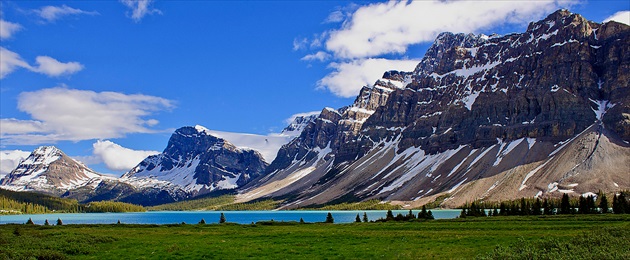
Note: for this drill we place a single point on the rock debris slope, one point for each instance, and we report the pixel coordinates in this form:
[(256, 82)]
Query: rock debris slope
[(538, 113)]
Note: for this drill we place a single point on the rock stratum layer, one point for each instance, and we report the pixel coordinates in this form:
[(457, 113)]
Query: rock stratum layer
[(538, 113)]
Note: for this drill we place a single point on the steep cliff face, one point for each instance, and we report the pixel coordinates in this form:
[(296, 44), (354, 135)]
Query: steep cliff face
[(492, 111), (197, 162)]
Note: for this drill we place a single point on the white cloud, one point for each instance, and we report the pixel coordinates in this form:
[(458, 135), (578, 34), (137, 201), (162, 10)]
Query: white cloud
[(335, 17), (54, 68), (299, 43), (53, 13), (70, 114), (349, 77), (10, 61), (10, 159), (7, 29), (305, 114), (118, 158), (320, 56), (140, 8), (621, 16), (386, 28)]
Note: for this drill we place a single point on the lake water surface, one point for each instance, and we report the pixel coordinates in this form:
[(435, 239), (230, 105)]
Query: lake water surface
[(193, 217)]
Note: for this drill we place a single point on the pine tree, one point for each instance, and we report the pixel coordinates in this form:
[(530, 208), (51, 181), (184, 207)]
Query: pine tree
[(565, 206), (118, 222), (502, 209), (202, 222), (365, 217), (603, 203), (59, 222), (302, 221), (390, 215), (357, 219), (547, 209), (329, 218), (222, 218), (411, 215), (30, 222), (495, 212), (462, 214), (46, 223), (537, 207), (430, 215), (423, 213)]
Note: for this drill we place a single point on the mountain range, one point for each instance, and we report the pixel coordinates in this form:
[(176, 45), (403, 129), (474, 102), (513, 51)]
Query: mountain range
[(541, 113)]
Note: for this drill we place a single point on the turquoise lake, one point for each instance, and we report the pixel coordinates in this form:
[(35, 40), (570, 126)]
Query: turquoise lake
[(193, 217)]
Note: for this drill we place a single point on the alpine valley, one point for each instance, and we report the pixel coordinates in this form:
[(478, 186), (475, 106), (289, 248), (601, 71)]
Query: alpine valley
[(541, 113)]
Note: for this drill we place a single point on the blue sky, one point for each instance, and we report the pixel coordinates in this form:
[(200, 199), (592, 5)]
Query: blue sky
[(110, 80)]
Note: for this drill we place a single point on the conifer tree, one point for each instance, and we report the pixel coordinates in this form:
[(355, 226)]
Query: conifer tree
[(423, 213), (390, 215), (222, 218), (365, 217), (202, 222), (118, 222), (302, 221), (503, 209), (30, 222), (603, 203), (430, 215), (463, 213), (357, 219), (537, 207), (495, 212), (411, 215), (46, 223), (547, 209), (329, 218), (59, 222), (565, 206)]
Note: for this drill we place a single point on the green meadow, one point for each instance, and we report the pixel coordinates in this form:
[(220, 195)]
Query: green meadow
[(551, 237)]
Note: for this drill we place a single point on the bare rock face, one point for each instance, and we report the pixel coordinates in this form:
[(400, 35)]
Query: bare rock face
[(476, 107), (49, 170), (196, 162)]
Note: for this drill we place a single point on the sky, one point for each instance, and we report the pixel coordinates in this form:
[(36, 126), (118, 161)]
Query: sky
[(108, 82)]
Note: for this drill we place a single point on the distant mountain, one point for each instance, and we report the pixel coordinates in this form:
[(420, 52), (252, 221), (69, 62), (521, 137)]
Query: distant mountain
[(48, 170), (198, 162), (539, 113)]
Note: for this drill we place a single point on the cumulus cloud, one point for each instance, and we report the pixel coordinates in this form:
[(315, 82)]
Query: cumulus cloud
[(54, 68), (348, 78), (292, 117), (386, 28), (10, 61), (53, 13), (140, 8), (70, 114), (320, 56), (7, 29), (118, 158), (10, 159), (621, 16), (374, 38)]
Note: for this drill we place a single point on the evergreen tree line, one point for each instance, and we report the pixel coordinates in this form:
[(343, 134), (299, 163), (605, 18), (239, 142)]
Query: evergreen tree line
[(424, 214), (12, 202), (536, 206), (111, 206)]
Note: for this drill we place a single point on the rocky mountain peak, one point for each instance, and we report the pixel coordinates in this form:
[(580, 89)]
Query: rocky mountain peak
[(472, 102), (48, 169), (198, 162)]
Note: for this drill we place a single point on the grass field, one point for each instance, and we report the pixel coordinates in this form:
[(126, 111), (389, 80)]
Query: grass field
[(495, 237)]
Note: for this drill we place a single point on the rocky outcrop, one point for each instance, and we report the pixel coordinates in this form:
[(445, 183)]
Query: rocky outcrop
[(197, 162), (49, 170), (476, 107)]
